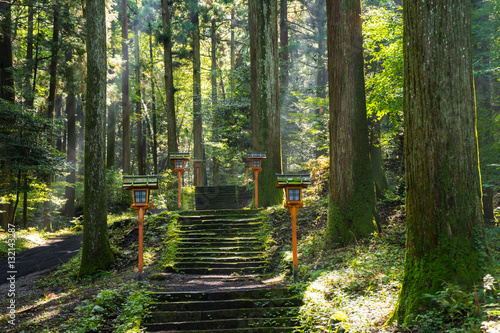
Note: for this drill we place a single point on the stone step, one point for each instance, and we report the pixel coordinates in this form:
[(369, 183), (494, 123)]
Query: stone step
[(215, 244), (242, 330), (222, 304), (234, 324), (186, 253), (221, 226), (230, 257), (248, 293), (249, 270), (183, 248), (175, 316), (181, 264)]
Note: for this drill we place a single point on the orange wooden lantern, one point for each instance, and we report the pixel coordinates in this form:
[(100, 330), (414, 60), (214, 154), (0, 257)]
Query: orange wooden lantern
[(180, 160), (256, 164)]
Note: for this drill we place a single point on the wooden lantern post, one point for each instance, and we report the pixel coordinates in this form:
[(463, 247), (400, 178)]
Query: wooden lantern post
[(256, 160), (179, 159), (197, 166), (293, 185), (140, 186)]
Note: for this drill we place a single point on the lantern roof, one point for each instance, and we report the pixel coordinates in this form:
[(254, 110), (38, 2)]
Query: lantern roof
[(256, 155), (140, 181), (179, 156), (289, 179)]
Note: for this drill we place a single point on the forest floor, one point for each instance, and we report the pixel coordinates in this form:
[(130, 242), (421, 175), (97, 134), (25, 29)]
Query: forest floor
[(354, 287)]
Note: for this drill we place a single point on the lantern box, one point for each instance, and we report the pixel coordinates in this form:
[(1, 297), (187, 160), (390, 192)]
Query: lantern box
[(180, 160), (255, 159), (140, 186), (293, 185)]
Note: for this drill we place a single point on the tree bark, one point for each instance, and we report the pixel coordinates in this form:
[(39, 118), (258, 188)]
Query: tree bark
[(265, 95), (69, 209), (321, 74), (125, 92), (96, 251), (283, 53), (169, 81), (28, 92), (445, 240), (197, 120), (111, 136), (213, 76), (141, 152), (153, 106), (233, 52), (352, 212), (6, 75)]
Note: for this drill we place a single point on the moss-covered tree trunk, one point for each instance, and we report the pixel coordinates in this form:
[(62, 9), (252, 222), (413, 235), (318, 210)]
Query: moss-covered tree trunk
[(213, 76), (265, 95), (169, 80), (125, 92), (352, 212), (140, 145), (445, 237), (96, 251)]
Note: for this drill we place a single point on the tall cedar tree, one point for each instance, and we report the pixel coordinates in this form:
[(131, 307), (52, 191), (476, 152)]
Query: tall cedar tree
[(213, 77), (265, 95), (125, 91), (445, 234), (352, 211), (169, 80), (96, 251), (140, 145), (197, 120)]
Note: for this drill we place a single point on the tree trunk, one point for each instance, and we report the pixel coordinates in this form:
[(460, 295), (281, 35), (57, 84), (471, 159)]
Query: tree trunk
[(445, 234), (81, 134), (213, 76), (379, 176), (265, 95), (96, 251), (6, 74), (141, 152), (28, 93), (283, 53), (25, 202), (111, 136), (321, 74), (233, 52), (169, 81), (197, 120), (153, 106), (69, 209), (125, 92), (352, 212)]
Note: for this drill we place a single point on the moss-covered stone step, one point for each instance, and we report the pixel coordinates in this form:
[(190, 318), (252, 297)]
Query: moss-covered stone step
[(217, 257), (248, 270), (242, 330), (176, 316), (256, 245), (223, 323), (247, 293), (220, 263), (217, 252), (233, 234)]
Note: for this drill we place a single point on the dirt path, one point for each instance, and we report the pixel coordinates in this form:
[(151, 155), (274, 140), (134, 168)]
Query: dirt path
[(41, 258)]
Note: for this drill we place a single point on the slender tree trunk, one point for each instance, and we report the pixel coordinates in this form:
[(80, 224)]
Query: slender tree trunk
[(197, 120), (141, 153), (69, 209), (153, 106), (125, 92), (25, 202), (379, 176), (111, 136), (445, 234), (6, 74), (352, 212), (233, 52), (169, 81), (28, 93), (58, 115), (265, 95), (284, 54), (213, 76), (96, 251), (81, 134)]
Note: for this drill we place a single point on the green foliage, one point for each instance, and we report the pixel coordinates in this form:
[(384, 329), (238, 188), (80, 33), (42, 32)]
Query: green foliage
[(170, 240), (112, 309)]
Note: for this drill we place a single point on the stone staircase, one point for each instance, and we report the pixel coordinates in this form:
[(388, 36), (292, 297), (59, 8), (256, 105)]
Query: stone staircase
[(223, 246), (220, 243), (254, 310)]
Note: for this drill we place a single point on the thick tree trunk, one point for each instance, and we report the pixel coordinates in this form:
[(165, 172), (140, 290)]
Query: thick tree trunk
[(445, 234), (352, 212), (265, 95), (197, 120), (169, 81), (125, 92), (69, 209), (96, 251)]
